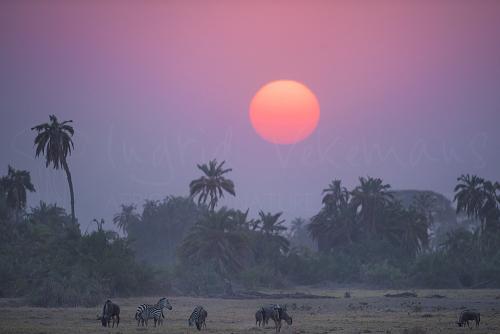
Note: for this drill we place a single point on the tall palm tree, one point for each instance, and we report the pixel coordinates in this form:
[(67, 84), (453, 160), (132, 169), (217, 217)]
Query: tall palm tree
[(216, 238), (212, 184), (15, 186), (333, 226), (126, 217), (54, 141), (369, 198)]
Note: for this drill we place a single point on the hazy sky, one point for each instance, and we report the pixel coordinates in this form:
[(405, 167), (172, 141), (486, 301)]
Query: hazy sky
[(409, 92)]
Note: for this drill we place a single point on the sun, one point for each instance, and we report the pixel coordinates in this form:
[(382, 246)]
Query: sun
[(284, 112)]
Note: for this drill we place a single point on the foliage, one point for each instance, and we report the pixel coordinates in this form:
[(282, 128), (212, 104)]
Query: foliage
[(370, 235), (54, 140), (212, 184), (48, 260), (157, 232), (217, 239)]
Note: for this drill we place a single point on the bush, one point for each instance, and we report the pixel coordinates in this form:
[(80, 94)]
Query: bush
[(261, 276), (75, 290), (382, 274), (199, 280), (434, 270)]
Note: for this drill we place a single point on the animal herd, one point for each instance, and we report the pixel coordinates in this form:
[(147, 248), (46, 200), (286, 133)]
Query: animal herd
[(111, 315), (275, 312)]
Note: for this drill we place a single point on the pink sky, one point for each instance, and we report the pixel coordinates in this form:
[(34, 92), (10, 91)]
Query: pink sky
[(409, 91)]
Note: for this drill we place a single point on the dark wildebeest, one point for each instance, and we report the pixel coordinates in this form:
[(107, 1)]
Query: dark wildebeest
[(198, 318), (110, 311), (277, 313), (259, 317), (467, 316)]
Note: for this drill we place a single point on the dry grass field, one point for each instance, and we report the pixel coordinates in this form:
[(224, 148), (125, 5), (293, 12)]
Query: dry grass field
[(367, 311)]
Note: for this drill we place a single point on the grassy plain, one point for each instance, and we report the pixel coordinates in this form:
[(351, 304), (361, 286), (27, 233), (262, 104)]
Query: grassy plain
[(367, 311)]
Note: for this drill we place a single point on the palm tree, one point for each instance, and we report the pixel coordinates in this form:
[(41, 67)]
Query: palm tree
[(54, 141), (406, 228), (269, 242), (478, 199), (369, 198), (15, 185), (212, 184), (271, 223), (126, 217), (333, 228), (333, 225), (216, 238), (335, 195), (46, 213), (469, 195)]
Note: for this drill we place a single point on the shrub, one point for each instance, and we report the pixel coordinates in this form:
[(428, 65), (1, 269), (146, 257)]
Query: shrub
[(75, 290), (382, 274), (434, 270), (261, 276)]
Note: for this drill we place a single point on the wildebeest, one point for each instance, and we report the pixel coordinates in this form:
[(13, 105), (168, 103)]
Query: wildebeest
[(467, 316), (198, 318), (259, 318), (110, 311), (277, 313)]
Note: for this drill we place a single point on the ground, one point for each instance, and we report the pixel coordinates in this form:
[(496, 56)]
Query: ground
[(367, 311)]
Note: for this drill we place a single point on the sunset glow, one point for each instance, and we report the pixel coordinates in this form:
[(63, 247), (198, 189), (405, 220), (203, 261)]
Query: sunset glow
[(284, 112)]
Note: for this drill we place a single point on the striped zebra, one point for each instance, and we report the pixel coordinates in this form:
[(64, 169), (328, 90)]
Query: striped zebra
[(146, 311), (198, 317)]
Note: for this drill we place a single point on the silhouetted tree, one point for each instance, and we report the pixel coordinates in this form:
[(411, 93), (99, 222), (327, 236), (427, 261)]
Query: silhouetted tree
[(369, 198), (54, 141), (334, 225), (212, 184), (478, 199), (15, 185), (217, 239), (126, 217)]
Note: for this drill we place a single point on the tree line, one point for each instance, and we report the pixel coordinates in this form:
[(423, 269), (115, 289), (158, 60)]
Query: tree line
[(370, 235)]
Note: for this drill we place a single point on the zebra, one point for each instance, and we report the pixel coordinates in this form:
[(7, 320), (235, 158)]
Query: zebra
[(160, 319), (198, 318), (145, 312)]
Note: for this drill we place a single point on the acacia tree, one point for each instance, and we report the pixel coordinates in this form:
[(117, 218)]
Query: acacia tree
[(54, 140), (212, 184)]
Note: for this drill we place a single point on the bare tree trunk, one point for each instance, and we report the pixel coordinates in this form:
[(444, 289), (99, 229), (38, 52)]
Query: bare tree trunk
[(72, 195)]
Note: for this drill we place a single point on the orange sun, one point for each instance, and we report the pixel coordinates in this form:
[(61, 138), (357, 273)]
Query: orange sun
[(284, 112)]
